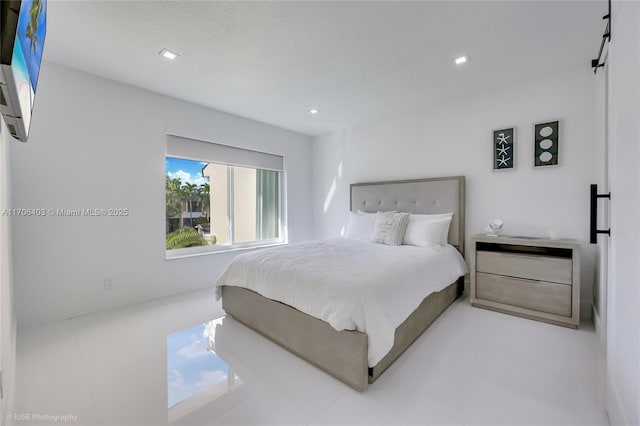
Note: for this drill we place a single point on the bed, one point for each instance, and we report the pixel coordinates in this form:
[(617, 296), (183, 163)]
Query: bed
[(350, 355)]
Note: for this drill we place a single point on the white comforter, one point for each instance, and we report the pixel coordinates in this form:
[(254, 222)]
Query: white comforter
[(351, 284)]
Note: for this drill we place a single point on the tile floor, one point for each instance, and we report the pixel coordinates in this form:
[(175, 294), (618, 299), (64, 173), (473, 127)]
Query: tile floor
[(472, 367)]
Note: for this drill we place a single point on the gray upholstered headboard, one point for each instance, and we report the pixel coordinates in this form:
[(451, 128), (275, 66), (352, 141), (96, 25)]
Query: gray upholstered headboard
[(421, 196)]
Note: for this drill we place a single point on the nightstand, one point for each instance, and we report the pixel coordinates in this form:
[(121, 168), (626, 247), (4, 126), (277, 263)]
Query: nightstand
[(534, 278)]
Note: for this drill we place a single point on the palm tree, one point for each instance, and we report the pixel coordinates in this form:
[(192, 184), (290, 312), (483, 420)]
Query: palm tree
[(32, 26), (182, 196), (189, 191), (204, 199), (173, 200), (185, 237)]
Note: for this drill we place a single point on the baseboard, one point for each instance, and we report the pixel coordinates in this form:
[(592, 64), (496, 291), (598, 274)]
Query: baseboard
[(614, 407), (9, 380), (7, 414), (586, 310), (8, 387), (600, 331)]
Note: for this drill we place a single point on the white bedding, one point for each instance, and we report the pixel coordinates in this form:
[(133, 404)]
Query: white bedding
[(351, 284)]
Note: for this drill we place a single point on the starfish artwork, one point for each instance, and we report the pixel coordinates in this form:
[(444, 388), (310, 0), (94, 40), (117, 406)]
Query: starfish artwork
[(502, 139), (503, 151), (503, 161), (503, 148)]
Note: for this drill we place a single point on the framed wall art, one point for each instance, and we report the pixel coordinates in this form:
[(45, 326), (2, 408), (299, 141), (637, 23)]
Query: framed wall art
[(546, 139), (504, 149)]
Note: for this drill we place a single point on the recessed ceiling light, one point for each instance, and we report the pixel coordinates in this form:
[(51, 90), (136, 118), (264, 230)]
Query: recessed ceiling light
[(313, 111), (168, 54), (461, 59)]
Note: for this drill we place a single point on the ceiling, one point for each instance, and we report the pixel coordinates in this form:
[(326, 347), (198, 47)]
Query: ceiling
[(355, 61)]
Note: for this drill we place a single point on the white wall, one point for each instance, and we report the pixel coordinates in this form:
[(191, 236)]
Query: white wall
[(623, 313), (95, 143), (7, 312), (456, 139)]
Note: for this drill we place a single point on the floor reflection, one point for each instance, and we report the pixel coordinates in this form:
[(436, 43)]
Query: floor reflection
[(196, 374)]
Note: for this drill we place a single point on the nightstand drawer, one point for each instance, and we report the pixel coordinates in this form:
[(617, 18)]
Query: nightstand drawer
[(541, 268), (537, 295)]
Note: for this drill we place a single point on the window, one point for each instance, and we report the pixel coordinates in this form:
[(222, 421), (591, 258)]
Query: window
[(220, 197)]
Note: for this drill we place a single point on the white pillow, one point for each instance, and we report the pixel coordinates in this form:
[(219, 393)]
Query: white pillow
[(390, 227), (360, 225), (425, 230)]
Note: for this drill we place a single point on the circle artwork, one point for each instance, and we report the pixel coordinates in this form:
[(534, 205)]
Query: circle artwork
[(546, 131), (546, 143), (546, 156)]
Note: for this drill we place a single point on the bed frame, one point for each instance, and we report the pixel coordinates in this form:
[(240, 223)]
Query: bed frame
[(343, 354)]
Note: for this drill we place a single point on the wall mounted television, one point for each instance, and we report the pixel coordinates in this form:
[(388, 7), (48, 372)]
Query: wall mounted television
[(23, 26)]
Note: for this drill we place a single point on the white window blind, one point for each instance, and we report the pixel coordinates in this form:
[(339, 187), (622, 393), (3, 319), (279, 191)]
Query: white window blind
[(182, 147)]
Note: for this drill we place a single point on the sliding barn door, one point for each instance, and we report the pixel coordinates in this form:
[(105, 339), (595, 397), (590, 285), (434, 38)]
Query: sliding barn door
[(604, 186)]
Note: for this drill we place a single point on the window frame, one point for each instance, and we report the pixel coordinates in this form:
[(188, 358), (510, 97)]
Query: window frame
[(247, 245)]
